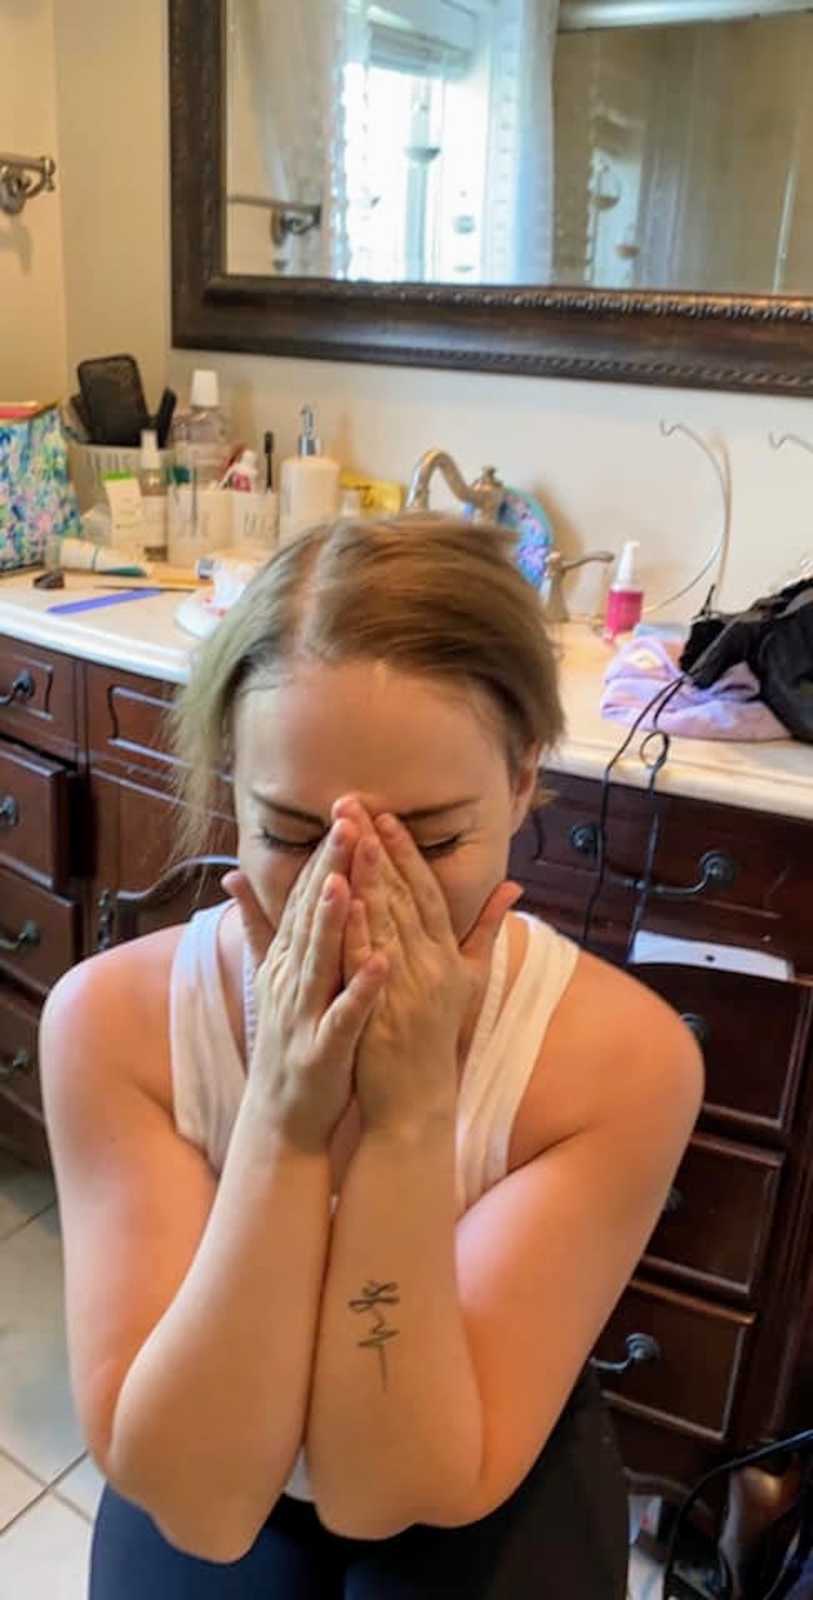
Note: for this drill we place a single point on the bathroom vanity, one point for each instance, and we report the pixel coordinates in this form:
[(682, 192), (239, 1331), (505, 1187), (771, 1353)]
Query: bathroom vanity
[(725, 1288)]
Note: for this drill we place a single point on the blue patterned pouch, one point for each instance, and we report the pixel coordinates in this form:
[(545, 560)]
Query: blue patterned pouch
[(37, 498)]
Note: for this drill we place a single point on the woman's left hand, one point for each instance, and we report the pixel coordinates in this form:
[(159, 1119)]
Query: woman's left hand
[(407, 1058)]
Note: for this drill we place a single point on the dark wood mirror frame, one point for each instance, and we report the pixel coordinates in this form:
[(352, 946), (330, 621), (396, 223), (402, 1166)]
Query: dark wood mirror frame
[(755, 343)]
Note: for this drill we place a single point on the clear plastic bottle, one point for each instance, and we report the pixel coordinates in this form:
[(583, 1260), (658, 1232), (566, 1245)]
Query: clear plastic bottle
[(154, 498), (200, 434)]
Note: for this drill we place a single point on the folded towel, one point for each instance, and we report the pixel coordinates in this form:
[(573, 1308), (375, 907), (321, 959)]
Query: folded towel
[(729, 709)]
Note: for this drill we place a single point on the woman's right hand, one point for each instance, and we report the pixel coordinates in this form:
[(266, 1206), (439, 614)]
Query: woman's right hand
[(308, 1026)]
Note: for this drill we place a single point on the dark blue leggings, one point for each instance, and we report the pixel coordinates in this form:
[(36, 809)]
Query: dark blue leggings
[(564, 1532)]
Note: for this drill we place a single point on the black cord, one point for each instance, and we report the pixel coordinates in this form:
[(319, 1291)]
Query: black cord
[(780, 1446), (644, 885), (660, 701)]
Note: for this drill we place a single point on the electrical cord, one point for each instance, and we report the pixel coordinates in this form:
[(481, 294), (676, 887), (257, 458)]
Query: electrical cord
[(659, 701), (795, 1442)]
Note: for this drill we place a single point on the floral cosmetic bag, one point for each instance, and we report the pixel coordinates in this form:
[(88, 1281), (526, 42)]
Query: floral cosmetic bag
[(37, 498)]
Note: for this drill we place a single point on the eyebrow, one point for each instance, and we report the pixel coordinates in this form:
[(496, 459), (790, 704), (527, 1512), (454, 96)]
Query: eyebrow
[(418, 814)]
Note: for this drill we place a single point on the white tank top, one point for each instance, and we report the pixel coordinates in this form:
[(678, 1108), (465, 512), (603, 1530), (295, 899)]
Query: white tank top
[(208, 1073)]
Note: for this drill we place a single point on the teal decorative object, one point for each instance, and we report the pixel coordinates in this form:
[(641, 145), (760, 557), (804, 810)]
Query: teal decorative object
[(37, 498), (530, 521)]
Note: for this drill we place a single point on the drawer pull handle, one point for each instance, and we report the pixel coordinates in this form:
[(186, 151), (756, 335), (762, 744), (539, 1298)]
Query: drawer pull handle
[(674, 1202), (20, 1062), (640, 1347), (9, 814), (29, 934), (696, 1025), (21, 689), (717, 870)]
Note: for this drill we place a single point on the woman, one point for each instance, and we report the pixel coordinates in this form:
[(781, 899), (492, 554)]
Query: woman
[(354, 1167)]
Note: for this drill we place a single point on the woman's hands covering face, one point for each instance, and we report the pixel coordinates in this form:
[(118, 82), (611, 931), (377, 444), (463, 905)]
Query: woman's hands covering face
[(388, 938), (308, 1021), (407, 1057)]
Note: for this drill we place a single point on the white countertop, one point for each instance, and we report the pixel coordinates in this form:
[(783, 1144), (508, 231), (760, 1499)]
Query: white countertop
[(143, 636)]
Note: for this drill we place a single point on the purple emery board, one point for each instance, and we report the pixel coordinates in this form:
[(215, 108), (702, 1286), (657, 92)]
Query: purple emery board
[(117, 599)]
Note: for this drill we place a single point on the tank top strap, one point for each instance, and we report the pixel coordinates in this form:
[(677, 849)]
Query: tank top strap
[(492, 1092), (207, 1072)]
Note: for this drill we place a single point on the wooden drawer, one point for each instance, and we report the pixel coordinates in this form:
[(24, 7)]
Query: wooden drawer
[(692, 1385), (763, 902), (128, 733), (22, 1124), (35, 818), (43, 710), (41, 927), (19, 1072), (753, 1033), (715, 1229), (135, 831), (126, 719)]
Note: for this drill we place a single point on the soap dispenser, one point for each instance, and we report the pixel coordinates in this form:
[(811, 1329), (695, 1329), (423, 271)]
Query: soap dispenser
[(309, 483)]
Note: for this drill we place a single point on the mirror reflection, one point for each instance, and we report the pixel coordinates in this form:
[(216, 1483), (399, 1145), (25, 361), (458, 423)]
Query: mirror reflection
[(652, 144)]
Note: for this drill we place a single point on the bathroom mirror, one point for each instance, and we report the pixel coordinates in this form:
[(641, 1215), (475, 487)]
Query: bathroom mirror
[(589, 188)]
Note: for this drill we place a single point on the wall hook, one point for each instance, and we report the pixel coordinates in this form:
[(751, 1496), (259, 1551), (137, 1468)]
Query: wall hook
[(23, 177), (776, 443)]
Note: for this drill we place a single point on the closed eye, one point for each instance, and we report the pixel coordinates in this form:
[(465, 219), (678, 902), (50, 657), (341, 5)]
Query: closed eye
[(440, 848), (274, 842), (443, 847)]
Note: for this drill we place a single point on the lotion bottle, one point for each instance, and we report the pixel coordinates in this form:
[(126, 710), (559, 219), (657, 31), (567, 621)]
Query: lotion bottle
[(309, 484), (625, 599)]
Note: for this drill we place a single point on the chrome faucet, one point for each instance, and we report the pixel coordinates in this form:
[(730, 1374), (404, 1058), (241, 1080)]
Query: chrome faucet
[(556, 568), (484, 495)]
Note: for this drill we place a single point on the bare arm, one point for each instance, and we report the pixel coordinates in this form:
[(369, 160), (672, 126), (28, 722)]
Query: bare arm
[(396, 1418), (211, 1413), (490, 1321), (191, 1306)]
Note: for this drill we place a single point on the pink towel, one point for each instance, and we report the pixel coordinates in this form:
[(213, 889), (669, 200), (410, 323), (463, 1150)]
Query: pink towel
[(729, 709)]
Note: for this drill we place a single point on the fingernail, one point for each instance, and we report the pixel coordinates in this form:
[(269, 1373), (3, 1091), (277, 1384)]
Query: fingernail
[(387, 823), (329, 888), (338, 834)]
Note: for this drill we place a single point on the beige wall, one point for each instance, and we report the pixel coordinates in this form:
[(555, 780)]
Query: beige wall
[(111, 102), (32, 294), (592, 450)]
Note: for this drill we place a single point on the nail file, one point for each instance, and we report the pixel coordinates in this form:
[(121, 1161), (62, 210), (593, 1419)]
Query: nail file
[(64, 607)]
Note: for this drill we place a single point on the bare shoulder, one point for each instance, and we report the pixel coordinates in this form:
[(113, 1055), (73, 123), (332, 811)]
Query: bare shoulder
[(120, 997), (616, 1056)]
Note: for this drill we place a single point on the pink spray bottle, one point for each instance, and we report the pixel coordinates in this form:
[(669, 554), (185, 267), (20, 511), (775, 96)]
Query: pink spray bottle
[(625, 599)]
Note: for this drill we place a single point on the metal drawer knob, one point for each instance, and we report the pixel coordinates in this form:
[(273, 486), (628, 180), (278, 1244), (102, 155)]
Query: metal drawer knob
[(640, 1347), (20, 1062), (696, 1025), (674, 1202), (9, 814), (21, 689), (29, 934)]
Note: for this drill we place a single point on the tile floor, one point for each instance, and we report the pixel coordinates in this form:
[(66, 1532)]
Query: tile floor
[(49, 1488)]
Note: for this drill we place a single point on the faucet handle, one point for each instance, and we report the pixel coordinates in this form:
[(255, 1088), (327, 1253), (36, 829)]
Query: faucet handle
[(487, 492), (556, 567)]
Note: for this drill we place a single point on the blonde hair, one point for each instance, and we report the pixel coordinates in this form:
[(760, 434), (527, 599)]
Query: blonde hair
[(429, 595)]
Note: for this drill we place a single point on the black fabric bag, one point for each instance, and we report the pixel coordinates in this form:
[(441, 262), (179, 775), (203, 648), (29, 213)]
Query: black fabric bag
[(775, 639)]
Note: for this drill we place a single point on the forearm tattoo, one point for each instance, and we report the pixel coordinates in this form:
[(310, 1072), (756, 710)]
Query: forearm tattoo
[(372, 1297)]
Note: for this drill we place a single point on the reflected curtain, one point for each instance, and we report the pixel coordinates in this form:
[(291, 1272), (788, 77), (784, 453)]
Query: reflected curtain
[(519, 230), (286, 115)]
